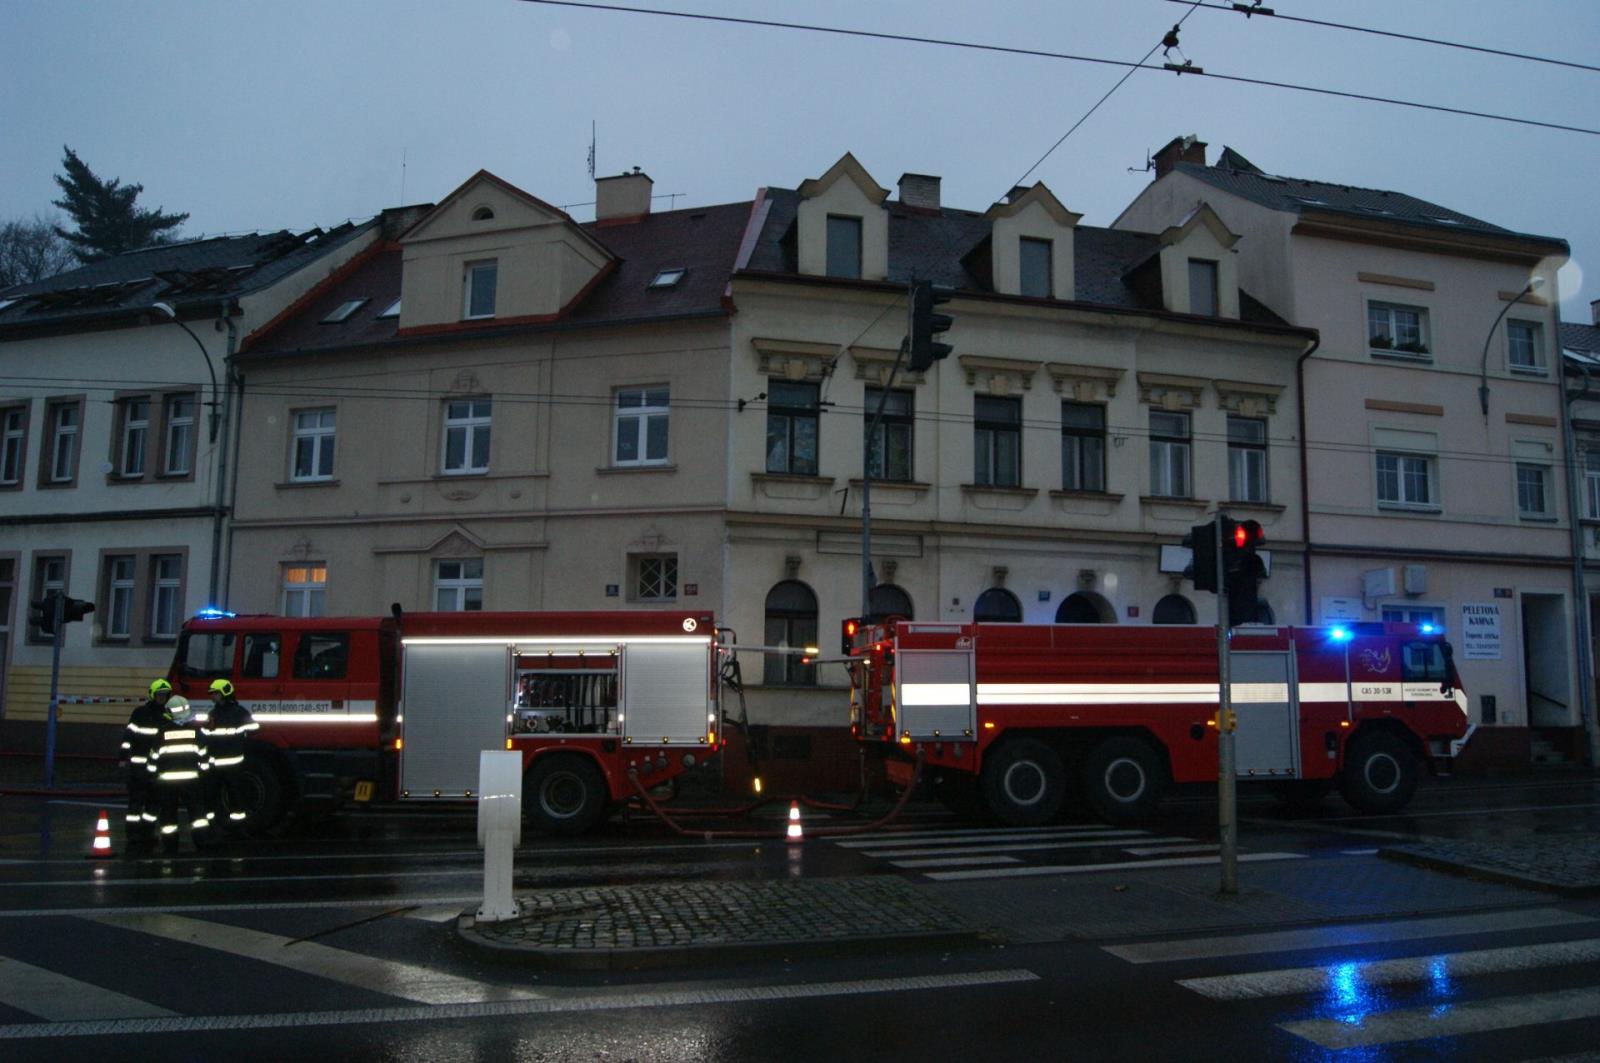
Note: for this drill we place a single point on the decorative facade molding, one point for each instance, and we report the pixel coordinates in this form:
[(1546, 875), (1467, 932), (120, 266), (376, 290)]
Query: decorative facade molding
[(1248, 399), (1171, 392), (795, 359), (1085, 383), (874, 364), (999, 376)]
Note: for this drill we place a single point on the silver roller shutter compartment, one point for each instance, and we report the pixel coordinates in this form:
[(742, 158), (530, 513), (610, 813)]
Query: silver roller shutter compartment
[(666, 693), (455, 704)]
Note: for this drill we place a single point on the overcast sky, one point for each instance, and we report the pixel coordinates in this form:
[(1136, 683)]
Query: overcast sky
[(292, 114)]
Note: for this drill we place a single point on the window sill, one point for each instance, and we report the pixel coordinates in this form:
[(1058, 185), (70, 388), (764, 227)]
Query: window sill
[(1396, 509), (1259, 507), (57, 485), (460, 474), (1528, 370), (660, 466), (293, 484), (174, 477), (1402, 356), (1537, 518), (791, 478), (1173, 500), (415, 481), (1088, 496), (999, 489), (117, 480)]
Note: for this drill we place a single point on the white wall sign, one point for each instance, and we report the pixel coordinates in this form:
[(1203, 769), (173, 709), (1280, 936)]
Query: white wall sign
[(1480, 631), (1337, 609)]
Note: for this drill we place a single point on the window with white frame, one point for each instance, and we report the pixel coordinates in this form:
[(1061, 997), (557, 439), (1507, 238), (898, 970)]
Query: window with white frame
[(458, 585), (178, 449), (996, 441), (166, 595), (478, 290), (889, 448), (13, 444), (1397, 330), (792, 415), (655, 577), (1406, 480), (134, 413), (305, 585), (639, 431), (1532, 461), (120, 578), (312, 433), (64, 420), (466, 436), (49, 576), (1035, 264), (1247, 459), (1524, 346), (1169, 454), (1083, 447), (1591, 480)]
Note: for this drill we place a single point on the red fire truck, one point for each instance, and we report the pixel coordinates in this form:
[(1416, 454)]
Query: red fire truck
[(1013, 718), (397, 708)]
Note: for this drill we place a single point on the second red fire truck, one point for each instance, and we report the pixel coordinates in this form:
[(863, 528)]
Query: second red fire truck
[(1015, 719), (397, 708)]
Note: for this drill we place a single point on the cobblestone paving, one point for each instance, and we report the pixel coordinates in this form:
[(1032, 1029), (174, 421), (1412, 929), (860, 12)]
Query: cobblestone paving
[(1563, 863), (690, 915)]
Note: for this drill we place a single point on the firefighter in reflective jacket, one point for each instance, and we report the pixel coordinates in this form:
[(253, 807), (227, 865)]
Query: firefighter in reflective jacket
[(178, 766), (137, 742), (228, 727)]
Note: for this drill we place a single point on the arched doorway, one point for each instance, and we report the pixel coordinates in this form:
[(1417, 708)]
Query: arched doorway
[(791, 615), (888, 600), (997, 606), (1083, 607), (1173, 609)]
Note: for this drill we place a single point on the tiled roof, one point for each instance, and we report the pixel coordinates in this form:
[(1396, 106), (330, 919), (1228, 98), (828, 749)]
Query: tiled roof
[(1296, 195), (1576, 337), (701, 241), (192, 273)]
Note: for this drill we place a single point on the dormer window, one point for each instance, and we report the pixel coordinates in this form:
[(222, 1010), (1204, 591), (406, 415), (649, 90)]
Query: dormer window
[(844, 246), (1037, 279), (1203, 287), (343, 311), (393, 310), (668, 278), (483, 214), (478, 296)]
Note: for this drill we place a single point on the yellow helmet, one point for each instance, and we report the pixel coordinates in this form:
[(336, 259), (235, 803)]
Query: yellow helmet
[(160, 686), (222, 687)]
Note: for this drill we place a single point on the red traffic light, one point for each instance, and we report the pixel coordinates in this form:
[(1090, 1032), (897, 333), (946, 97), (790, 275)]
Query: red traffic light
[(1248, 533), (847, 633)]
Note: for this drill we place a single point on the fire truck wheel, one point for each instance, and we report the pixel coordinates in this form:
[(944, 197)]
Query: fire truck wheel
[(259, 792), (1123, 779), (564, 795), (959, 792), (1380, 774), (1024, 782)]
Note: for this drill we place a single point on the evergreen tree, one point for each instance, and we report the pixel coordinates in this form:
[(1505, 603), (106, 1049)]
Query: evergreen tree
[(107, 218)]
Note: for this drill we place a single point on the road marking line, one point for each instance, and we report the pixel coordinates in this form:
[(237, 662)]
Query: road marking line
[(407, 981), (1477, 1016), (1123, 865), (1169, 849), (1358, 852), (503, 1009), (1104, 843), (859, 841), (1449, 965), (1349, 934), (956, 861), (434, 915), (57, 998)]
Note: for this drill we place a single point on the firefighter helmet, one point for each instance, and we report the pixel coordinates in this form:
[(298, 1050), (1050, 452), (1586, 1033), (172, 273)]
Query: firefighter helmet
[(160, 686), (178, 708), (222, 688)]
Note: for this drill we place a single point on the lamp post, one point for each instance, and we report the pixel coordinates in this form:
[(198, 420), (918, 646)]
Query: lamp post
[(1533, 284), (167, 311)]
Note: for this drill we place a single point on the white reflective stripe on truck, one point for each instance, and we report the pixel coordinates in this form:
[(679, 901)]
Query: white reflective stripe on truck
[(1198, 693)]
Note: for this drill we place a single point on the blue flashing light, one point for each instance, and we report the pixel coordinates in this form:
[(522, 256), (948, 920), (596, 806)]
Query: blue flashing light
[(211, 613), (1339, 634), (1428, 629)]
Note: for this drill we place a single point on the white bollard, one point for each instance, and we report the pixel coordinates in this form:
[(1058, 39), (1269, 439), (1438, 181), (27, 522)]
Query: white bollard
[(499, 830)]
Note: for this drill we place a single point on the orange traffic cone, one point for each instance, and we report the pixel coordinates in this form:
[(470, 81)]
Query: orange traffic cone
[(101, 848), (795, 833)]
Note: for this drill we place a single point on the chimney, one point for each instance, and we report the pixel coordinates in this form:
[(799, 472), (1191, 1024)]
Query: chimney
[(1017, 192), (394, 221), (624, 197), (1179, 149), (1594, 310), (919, 190)]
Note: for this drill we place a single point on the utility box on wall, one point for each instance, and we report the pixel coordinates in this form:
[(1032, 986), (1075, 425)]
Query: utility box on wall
[(1415, 579)]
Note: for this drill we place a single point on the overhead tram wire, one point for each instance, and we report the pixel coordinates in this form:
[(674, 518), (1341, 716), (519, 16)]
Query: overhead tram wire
[(1143, 59), (1264, 13), (1069, 57)]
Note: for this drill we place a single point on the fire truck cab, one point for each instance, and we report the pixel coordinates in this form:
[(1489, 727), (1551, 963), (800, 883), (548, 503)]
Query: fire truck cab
[(373, 709), (1016, 719)]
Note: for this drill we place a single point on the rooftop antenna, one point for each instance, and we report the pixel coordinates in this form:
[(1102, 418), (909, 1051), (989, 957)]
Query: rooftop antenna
[(402, 177), (1146, 168), (591, 149)]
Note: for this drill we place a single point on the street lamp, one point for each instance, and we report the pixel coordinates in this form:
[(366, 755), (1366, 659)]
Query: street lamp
[(172, 315), (1533, 284)]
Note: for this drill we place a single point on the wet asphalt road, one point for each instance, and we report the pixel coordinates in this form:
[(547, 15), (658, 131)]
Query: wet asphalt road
[(337, 945)]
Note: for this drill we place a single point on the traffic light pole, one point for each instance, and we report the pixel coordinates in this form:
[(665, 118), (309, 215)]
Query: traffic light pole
[(58, 606), (1227, 777), (866, 482)]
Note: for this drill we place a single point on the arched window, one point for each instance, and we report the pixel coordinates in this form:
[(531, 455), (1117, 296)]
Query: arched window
[(1264, 615), (997, 606), (791, 621), (483, 214), (1173, 609), (888, 600), (1081, 608)]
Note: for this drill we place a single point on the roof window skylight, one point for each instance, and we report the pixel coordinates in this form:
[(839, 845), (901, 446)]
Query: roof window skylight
[(667, 278), (343, 311), (393, 310)]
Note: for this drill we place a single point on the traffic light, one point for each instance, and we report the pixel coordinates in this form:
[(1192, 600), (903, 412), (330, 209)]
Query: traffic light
[(925, 324), (75, 609), (42, 614), (1202, 544), (1243, 570), (847, 634)]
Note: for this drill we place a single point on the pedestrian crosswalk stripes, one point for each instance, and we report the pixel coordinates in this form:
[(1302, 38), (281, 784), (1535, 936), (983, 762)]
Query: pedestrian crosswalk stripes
[(57, 998), (1473, 1016), (1123, 865), (1021, 847), (1344, 935), (407, 981), (955, 861), (978, 836)]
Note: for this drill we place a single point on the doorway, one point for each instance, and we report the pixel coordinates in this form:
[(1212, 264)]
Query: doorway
[(1546, 671)]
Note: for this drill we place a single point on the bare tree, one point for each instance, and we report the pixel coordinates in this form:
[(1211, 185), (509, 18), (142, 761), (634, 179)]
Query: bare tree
[(30, 250)]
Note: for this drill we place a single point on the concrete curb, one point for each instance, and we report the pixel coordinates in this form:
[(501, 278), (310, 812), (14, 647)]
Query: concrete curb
[(1470, 869)]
